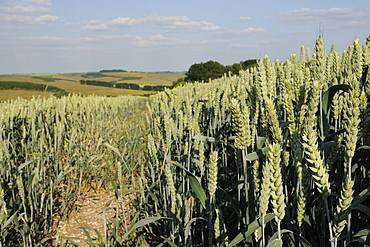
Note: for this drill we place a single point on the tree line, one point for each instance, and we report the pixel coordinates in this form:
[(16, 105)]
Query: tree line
[(212, 70), (96, 83), (112, 70), (28, 86), (128, 86), (132, 86), (22, 85)]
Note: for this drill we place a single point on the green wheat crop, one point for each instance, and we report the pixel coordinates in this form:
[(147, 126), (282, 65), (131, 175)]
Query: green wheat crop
[(291, 143)]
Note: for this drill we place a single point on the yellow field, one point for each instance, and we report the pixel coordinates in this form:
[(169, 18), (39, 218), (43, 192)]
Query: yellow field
[(123, 74), (157, 79), (147, 78), (6, 95), (71, 83)]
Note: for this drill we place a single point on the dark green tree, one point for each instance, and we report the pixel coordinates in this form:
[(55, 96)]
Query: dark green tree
[(213, 70), (205, 71), (248, 64), (243, 65)]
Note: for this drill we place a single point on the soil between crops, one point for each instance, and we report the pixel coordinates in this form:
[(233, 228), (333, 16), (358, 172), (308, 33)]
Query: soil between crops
[(92, 208)]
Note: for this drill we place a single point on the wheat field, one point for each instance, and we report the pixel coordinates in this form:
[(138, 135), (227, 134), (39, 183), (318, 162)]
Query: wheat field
[(277, 156)]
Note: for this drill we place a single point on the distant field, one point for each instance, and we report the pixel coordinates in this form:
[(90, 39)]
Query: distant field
[(165, 79), (6, 95), (71, 83), (123, 74), (46, 78)]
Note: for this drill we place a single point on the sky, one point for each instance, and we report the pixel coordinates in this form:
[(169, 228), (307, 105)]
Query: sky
[(65, 36)]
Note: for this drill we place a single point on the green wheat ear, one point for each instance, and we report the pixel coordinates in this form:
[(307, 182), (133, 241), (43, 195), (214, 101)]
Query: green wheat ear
[(343, 207), (212, 173), (240, 123), (276, 183), (3, 210)]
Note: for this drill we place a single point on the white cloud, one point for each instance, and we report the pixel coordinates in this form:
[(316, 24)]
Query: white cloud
[(25, 9), (245, 18), (27, 12), (135, 40), (250, 30), (307, 15), (364, 23), (14, 18), (124, 22), (41, 2), (210, 27), (159, 37), (88, 39), (159, 40), (50, 38), (150, 42), (95, 25), (44, 38), (268, 41), (45, 19), (218, 41), (167, 23), (127, 37), (180, 23), (253, 30)]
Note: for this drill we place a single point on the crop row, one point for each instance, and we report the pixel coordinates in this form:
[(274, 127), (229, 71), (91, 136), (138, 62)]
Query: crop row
[(53, 151), (275, 156)]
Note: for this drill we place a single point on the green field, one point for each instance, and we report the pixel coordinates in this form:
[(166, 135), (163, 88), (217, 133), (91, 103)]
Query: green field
[(70, 83)]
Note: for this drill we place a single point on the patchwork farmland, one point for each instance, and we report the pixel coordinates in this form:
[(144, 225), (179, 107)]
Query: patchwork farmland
[(70, 83)]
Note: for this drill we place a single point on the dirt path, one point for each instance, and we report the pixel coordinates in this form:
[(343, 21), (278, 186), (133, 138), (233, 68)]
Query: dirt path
[(93, 210)]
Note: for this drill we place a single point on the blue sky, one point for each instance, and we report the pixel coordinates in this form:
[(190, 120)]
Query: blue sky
[(62, 36)]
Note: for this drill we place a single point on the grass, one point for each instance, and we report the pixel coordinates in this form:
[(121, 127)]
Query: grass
[(46, 78)]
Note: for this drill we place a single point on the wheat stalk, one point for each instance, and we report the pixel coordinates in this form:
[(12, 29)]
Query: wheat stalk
[(276, 183)]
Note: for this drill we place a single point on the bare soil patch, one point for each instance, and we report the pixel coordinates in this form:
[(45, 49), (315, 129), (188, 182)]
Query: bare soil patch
[(93, 209)]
